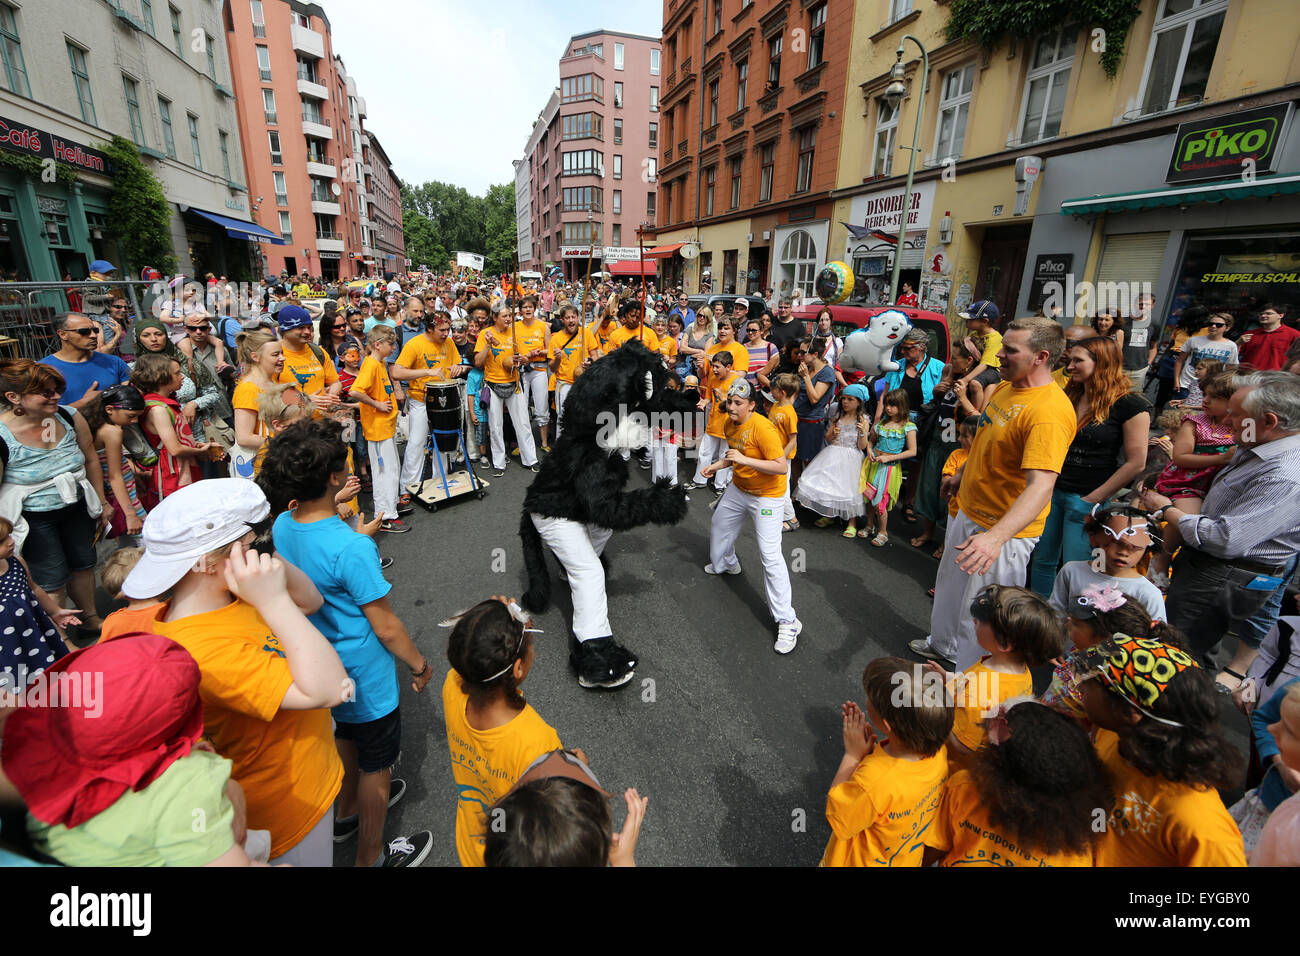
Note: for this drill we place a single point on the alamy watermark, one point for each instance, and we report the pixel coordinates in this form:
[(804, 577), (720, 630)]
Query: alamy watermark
[(80, 690)]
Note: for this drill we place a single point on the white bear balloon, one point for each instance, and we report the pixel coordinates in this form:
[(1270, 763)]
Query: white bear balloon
[(871, 349)]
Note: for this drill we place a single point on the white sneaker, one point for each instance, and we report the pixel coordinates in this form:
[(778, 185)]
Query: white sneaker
[(787, 635), (710, 569)]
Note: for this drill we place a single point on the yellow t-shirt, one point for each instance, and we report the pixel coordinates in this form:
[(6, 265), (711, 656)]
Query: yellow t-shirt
[(373, 380), (486, 763), (983, 690), (950, 468), (667, 347), (498, 368), (421, 353), (718, 407), (880, 815), (1061, 377), (739, 360), (1019, 429), (622, 335), (603, 331), (528, 338), (246, 396), (576, 348), (1158, 823), (285, 760), (756, 438), (786, 422), (992, 345), (306, 371), (962, 829)]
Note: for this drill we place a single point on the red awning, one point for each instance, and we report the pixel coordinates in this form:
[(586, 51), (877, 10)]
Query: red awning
[(663, 252), (631, 267)]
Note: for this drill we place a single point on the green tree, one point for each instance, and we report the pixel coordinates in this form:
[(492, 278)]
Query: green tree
[(422, 244), (500, 227), (139, 216)]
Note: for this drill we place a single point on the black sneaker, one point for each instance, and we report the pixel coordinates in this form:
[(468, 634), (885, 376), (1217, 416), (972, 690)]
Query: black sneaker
[(602, 663), (644, 463), (394, 526), (385, 564), (498, 472), (409, 851), (347, 828)]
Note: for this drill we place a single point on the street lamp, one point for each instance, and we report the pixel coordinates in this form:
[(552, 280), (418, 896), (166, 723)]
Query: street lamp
[(894, 93)]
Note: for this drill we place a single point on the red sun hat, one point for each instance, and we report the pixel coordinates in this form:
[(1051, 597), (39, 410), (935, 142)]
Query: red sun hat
[(70, 763)]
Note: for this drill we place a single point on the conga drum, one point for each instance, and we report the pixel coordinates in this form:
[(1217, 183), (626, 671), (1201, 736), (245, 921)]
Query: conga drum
[(442, 402)]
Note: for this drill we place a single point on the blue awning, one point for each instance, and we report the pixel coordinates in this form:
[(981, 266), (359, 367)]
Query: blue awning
[(1287, 184), (240, 228)]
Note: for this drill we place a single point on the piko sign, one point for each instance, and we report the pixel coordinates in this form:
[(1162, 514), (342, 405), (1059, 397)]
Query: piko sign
[(30, 141), (1228, 146)]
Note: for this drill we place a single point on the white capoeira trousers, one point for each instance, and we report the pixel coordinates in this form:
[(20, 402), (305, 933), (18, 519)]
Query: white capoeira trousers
[(663, 460), (952, 631), (561, 393), (711, 449), (384, 468), (578, 548), (417, 436), (523, 429), (535, 383), (728, 517)]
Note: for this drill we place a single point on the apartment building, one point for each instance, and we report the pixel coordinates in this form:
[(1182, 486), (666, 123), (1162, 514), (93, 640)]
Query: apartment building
[(384, 199), (75, 72), (593, 156)]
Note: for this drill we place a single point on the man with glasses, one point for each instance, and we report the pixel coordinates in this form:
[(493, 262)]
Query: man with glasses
[(785, 328), (86, 370), (683, 309)]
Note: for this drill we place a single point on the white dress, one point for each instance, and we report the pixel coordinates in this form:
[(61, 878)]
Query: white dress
[(831, 484)]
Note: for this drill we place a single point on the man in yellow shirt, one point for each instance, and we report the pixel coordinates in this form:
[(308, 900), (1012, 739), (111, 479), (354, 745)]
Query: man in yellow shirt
[(1004, 490), (630, 313), (306, 365), (572, 349), (756, 456), (533, 339), (430, 356)]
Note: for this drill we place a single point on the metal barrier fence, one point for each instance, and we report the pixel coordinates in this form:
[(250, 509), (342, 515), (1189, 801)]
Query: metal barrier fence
[(27, 310)]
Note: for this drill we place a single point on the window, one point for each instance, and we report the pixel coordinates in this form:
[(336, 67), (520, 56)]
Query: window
[(577, 233), (768, 165), (131, 90), (210, 45), (588, 86), (618, 94), (618, 166), (654, 99), (651, 168), (281, 189), (713, 103), (654, 135), (618, 131), (311, 113), (273, 139), (617, 237), (583, 126), (268, 105), (816, 35), (301, 20), (618, 56), (742, 82), (882, 159), (307, 70), (1045, 85), (710, 187), (583, 199), (774, 62), (176, 30), (954, 105), (81, 78), (146, 14), (650, 205), (259, 18), (717, 17), (618, 201), (583, 162), (169, 138), (1183, 42), (286, 227), (15, 75), (804, 172), (264, 63), (654, 62), (799, 260), (899, 9), (324, 226), (194, 139), (737, 165), (223, 138)]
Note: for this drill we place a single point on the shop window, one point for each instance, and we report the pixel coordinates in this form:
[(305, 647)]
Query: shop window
[(798, 262), (1183, 41), (1045, 85), (1258, 266)]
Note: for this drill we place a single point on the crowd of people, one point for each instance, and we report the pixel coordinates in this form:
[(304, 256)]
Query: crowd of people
[(211, 486)]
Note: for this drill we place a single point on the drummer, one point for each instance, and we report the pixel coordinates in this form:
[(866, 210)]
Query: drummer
[(432, 356)]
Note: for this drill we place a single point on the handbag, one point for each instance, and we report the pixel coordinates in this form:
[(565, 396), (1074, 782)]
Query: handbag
[(241, 461)]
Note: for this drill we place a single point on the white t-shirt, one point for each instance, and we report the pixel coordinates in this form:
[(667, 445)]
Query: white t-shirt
[(1201, 347), (1075, 576)]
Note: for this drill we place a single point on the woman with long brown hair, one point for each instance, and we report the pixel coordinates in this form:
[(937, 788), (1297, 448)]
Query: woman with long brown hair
[(1113, 421)]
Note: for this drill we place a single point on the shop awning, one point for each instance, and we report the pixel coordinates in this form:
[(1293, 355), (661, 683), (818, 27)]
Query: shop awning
[(663, 252), (240, 228), (1287, 184), (632, 267)]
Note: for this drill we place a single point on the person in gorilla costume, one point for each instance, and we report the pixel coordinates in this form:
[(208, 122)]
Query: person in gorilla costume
[(578, 499)]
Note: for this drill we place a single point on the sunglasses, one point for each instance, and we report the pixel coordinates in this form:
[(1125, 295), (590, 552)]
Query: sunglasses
[(196, 328), (87, 330), (1217, 325)]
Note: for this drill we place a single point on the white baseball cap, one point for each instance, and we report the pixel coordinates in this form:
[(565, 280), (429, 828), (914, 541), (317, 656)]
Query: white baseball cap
[(189, 523)]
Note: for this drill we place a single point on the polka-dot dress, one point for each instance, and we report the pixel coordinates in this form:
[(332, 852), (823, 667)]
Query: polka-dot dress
[(29, 642)]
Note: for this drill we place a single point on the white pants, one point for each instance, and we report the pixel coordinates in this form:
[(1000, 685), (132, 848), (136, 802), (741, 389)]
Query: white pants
[(561, 393), (712, 449), (578, 547), (523, 429), (535, 382), (787, 506), (952, 631), (384, 469), (417, 436), (315, 849), (734, 506), (663, 460)]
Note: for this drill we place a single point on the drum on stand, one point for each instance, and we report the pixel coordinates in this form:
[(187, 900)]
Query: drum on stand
[(443, 404)]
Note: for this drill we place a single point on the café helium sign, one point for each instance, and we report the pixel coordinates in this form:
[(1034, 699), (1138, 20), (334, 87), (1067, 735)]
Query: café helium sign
[(1228, 146), (30, 141)]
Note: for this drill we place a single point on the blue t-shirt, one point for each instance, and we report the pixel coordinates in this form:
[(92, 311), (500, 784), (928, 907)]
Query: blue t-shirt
[(344, 566), (107, 370)]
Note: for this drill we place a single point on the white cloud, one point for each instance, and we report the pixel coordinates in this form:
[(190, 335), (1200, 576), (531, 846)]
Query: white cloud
[(452, 88)]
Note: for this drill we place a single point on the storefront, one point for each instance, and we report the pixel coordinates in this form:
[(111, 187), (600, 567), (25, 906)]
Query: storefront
[(873, 239)]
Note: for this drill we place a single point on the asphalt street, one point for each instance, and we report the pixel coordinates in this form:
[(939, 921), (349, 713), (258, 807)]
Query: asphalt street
[(734, 744)]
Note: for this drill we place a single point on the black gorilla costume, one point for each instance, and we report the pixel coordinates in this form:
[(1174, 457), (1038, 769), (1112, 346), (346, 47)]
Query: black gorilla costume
[(578, 499)]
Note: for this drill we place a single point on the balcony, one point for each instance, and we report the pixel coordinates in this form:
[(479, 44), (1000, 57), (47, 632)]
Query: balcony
[(316, 126), (361, 106), (330, 208), (313, 89), (130, 19), (307, 41), (224, 90), (326, 170), (329, 242)]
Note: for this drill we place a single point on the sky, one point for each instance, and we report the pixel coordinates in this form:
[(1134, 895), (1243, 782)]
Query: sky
[(423, 66)]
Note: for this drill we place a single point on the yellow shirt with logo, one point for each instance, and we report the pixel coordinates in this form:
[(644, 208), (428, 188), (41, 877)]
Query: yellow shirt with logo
[(880, 815), (373, 380), (756, 438), (718, 407), (739, 360), (604, 331), (1020, 429), (979, 691), (668, 347), (529, 338), (576, 348), (622, 335), (786, 423), (498, 368), (303, 369), (421, 353)]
